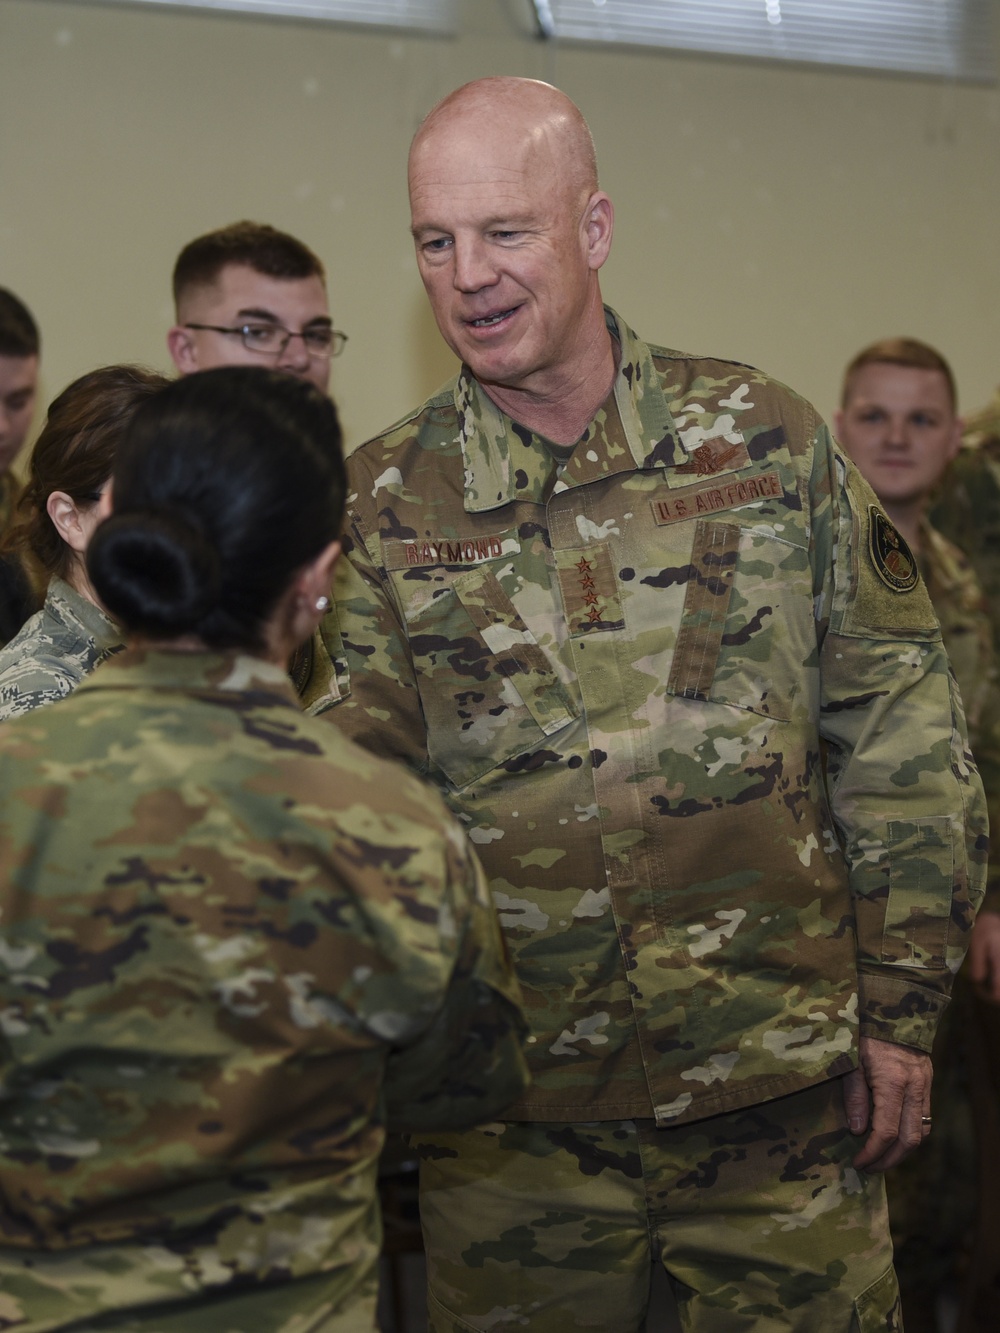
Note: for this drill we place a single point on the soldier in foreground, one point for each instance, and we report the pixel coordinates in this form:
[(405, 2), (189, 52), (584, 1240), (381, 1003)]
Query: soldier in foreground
[(234, 945), (899, 422), (668, 660)]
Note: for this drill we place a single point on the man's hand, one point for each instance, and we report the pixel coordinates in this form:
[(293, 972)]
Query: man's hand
[(984, 956), (899, 1079)]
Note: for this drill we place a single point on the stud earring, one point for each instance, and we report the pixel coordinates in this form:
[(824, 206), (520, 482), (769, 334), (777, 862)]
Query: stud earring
[(322, 603)]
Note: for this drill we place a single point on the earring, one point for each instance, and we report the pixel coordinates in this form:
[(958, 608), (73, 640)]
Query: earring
[(322, 603)]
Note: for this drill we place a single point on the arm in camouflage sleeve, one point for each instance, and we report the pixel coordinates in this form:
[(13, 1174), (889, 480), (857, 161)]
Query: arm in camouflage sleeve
[(467, 1065), (906, 798), (375, 689)]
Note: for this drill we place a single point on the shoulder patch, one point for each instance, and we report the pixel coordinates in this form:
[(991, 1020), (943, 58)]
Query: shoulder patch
[(891, 558)]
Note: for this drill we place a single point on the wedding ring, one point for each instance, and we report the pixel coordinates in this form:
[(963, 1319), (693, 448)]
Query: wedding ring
[(925, 1119)]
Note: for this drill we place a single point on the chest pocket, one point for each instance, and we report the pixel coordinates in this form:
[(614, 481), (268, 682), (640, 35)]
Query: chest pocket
[(488, 692), (747, 631)]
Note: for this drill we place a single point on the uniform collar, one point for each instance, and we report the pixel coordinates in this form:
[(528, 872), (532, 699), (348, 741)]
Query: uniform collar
[(633, 429), (81, 615), (138, 668)]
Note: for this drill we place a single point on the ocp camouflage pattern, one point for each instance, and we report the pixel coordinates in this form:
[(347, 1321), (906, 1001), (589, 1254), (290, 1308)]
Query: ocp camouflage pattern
[(54, 650), (233, 946), (713, 763), (967, 506)]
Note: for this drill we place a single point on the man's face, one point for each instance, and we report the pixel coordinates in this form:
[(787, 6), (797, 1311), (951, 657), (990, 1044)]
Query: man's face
[(505, 254), (18, 386), (243, 296), (900, 428)]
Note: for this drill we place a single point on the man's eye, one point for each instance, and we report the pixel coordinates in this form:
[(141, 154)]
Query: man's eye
[(261, 335), (18, 400), (318, 340), (436, 245)]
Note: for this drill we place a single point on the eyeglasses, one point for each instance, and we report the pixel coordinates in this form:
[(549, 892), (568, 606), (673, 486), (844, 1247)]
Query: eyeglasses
[(272, 339)]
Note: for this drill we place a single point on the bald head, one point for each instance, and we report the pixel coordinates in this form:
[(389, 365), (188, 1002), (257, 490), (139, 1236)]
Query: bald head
[(511, 230), (522, 114)]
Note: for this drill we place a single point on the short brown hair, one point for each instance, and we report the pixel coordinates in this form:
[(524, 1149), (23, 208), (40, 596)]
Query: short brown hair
[(254, 244), (75, 453), (18, 330), (900, 352)]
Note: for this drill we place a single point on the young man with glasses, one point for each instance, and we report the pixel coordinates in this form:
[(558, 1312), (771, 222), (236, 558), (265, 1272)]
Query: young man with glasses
[(248, 294)]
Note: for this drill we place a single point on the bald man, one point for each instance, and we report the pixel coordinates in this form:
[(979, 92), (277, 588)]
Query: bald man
[(717, 776)]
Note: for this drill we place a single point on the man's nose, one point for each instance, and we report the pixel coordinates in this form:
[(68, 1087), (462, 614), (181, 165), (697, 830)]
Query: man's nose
[(294, 355), (474, 266)]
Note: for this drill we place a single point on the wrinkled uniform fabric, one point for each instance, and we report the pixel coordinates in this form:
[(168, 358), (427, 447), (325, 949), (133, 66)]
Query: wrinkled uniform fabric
[(758, 1215), (234, 945), (54, 650), (684, 690), (711, 761)]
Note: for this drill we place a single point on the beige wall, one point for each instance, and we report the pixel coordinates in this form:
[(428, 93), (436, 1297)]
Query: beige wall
[(782, 216)]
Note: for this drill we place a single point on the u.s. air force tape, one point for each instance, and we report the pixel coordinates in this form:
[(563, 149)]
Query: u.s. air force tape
[(891, 558)]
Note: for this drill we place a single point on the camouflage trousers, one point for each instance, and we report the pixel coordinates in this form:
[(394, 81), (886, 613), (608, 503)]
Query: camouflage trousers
[(758, 1217)]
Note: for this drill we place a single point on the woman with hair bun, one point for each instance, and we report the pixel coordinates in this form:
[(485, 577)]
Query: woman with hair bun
[(56, 515), (236, 948)]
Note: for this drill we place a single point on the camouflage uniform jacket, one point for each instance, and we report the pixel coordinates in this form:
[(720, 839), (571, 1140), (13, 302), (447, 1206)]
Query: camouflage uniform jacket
[(690, 701), (966, 508), (52, 653), (233, 943), (965, 627)]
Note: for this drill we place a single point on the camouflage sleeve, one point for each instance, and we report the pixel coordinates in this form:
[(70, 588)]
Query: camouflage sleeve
[(468, 1063), (906, 798), (986, 748), (364, 636)]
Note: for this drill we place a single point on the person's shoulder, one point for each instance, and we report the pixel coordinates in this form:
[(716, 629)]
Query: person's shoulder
[(730, 382), (433, 420), (360, 777), (712, 396)]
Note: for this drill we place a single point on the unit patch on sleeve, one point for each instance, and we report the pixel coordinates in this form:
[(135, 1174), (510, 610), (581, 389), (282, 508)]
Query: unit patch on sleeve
[(891, 557)]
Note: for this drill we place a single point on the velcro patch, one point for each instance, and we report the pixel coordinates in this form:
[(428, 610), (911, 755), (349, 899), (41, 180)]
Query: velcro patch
[(710, 498), (891, 558), (715, 456), (456, 551), (589, 589)]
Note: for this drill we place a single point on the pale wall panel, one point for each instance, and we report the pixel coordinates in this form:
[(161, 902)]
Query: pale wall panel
[(782, 216)]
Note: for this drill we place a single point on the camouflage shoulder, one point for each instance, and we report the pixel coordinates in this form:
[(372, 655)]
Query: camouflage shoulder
[(878, 590), (715, 370), (443, 398)]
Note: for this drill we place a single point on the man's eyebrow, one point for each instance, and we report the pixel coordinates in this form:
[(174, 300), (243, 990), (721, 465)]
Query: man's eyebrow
[(498, 222), (269, 317)]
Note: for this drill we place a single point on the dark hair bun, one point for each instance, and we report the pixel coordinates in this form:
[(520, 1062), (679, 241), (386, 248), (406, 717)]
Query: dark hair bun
[(226, 484), (157, 572)]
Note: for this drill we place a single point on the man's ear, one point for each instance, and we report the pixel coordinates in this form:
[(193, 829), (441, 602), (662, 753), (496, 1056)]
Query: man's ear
[(181, 347), (600, 225)]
